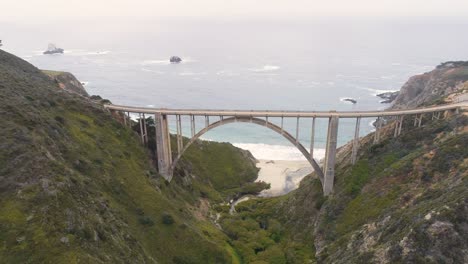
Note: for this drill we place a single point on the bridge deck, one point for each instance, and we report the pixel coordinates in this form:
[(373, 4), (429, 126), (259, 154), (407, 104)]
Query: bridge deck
[(264, 113)]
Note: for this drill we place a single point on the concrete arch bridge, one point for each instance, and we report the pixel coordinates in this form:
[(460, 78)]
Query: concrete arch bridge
[(326, 173)]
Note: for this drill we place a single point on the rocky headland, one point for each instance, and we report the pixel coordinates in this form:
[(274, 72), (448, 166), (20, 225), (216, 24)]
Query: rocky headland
[(447, 78)]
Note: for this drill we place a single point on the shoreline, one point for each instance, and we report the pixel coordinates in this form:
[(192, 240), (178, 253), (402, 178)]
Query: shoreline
[(283, 175)]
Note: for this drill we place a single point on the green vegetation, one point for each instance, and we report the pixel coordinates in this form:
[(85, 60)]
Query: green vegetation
[(77, 187), (222, 172)]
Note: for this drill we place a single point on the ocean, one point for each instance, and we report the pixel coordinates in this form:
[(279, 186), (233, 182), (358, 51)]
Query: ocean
[(244, 64)]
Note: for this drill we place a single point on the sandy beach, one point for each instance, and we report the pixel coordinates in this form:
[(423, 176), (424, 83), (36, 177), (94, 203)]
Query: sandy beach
[(283, 175)]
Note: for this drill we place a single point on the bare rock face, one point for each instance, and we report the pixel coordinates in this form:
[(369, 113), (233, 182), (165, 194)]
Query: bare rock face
[(67, 81), (388, 97), (447, 78)]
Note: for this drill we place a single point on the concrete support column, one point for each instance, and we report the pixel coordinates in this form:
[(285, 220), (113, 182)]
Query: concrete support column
[(400, 123), (192, 124), (180, 143), (146, 129), (330, 155), (312, 138), (282, 121), (297, 130), (142, 130), (163, 146), (356, 141), (129, 120), (377, 130)]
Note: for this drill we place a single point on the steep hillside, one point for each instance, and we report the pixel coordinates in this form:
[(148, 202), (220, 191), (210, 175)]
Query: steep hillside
[(404, 201), (447, 78), (77, 187), (67, 81)]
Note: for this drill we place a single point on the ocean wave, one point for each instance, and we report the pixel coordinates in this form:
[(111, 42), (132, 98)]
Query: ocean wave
[(375, 92), (104, 52), (387, 77), (166, 61), (191, 73), (226, 73), (343, 99), (277, 152), (82, 52), (156, 62), (152, 71), (266, 68)]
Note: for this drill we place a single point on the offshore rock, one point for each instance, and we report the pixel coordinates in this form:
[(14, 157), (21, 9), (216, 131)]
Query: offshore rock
[(388, 97), (175, 59)]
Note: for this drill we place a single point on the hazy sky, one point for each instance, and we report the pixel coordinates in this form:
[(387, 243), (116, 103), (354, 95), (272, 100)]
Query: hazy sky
[(52, 9)]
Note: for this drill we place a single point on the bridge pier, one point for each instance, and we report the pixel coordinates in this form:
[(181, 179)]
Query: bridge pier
[(312, 139), (356, 141), (163, 146), (377, 130), (330, 155), (180, 143)]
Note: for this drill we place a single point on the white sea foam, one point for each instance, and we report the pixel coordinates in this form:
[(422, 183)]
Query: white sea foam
[(82, 52), (266, 68), (375, 92), (371, 124), (226, 73), (343, 99), (156, 62), (277, 152), (153, 71), (191, 73), (104, 52)]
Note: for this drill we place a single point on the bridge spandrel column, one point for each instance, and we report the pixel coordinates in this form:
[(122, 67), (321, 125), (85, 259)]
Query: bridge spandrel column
[(163, 147), (330, 155)]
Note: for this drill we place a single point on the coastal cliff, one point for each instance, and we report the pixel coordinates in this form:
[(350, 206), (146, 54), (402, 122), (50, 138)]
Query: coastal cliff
[(404, 201), (67, 81), (445, 79)]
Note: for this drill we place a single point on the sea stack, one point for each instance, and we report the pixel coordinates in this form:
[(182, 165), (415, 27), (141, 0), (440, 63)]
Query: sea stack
[(175, 59), (52, 49)]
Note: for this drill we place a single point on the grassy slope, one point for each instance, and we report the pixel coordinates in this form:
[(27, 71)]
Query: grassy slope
[(379, 202), (76, 186), (385, 197)]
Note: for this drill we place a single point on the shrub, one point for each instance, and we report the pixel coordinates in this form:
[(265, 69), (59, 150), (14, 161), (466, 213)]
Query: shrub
[(145, 220), (167, 219)]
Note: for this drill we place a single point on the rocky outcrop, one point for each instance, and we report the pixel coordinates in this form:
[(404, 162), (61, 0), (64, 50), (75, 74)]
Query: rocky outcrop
[(67, 81), (175, 59), (447, 78), (388, 97)]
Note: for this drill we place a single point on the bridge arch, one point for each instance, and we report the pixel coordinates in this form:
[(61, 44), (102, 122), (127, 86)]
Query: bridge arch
[(257, 121)]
